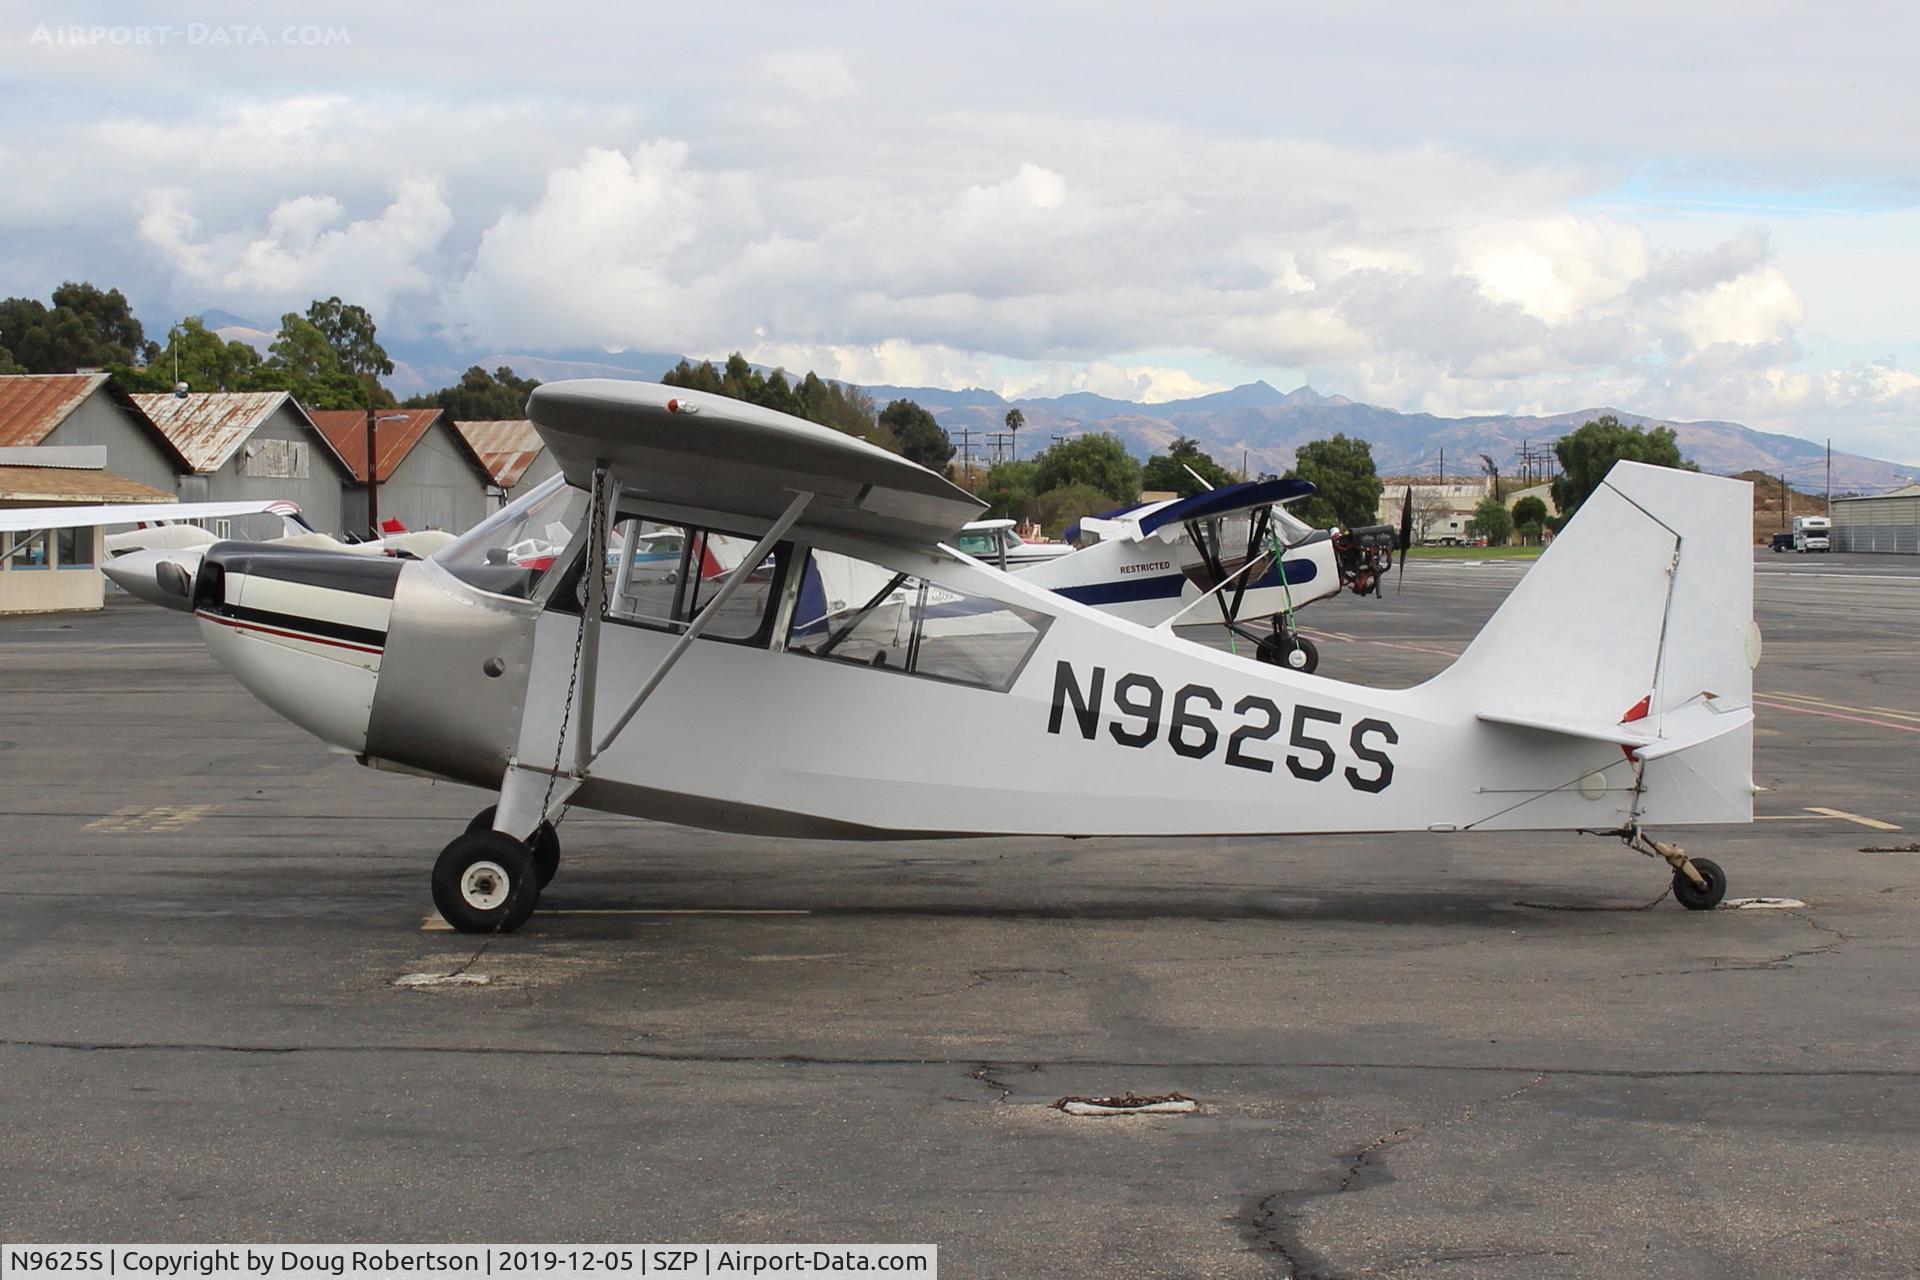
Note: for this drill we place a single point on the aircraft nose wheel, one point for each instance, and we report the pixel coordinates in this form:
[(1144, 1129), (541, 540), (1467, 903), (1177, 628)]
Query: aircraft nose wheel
[(485, 882), (1295, 652), (545, 845)]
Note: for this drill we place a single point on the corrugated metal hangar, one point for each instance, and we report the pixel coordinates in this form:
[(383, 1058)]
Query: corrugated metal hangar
[(79, 439), (1887, 522)]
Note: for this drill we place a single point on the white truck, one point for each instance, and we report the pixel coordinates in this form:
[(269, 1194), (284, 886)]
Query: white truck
[(1811, 533)]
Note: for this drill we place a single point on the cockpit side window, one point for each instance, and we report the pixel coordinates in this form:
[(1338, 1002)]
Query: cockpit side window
[(660, 576)]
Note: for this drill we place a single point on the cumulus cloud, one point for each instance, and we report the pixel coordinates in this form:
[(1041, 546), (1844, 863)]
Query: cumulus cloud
[(1024, 281), (307, 246), (1015, 218)]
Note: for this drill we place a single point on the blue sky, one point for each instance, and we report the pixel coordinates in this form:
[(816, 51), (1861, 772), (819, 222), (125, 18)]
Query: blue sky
[(1695, 211)]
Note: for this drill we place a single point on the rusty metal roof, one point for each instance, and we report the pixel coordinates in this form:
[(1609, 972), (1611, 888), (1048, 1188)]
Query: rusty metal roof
[(44, 485), (33, 404), (508, 447), (208, 426), (346, 431)]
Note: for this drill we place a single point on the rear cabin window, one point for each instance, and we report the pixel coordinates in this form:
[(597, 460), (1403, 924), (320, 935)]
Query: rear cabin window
[(864, 615)]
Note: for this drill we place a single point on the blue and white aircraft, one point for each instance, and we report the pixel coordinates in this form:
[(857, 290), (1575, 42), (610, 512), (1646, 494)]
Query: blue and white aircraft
[(1221, 558)]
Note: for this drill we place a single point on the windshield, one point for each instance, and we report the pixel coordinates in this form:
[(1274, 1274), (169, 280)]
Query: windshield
[(1292, 527), (510, 551), (979, 543)]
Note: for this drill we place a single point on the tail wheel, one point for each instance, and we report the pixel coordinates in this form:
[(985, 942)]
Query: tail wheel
[(485, 882), (1696, 897), (545, 845)]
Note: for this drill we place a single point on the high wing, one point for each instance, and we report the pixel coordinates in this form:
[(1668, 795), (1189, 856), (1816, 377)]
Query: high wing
[(24, 519), (679, 448), (1142, 521)]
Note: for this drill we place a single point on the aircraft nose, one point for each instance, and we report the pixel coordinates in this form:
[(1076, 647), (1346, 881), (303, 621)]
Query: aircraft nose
[(162, 576), (303, 631)]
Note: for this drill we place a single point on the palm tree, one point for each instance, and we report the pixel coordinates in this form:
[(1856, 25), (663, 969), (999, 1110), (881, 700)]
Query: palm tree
[(1015, 421)]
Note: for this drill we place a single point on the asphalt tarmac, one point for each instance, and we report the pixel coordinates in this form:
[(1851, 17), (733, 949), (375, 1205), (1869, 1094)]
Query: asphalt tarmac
[(1504, 1055)]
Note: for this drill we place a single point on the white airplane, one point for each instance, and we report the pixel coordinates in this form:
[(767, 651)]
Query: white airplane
[(162, 534), (165, 543), (998, 543), (1235, 550), (1610, 691)]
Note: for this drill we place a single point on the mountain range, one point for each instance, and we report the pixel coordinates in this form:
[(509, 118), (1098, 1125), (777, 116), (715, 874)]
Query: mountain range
[(1254, 425), (1258, 426)]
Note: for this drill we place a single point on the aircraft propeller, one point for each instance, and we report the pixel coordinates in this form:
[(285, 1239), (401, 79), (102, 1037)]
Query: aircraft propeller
[(1406, 539)]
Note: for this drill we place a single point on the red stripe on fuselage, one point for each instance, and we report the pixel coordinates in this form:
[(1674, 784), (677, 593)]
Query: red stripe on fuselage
[(237, 625)]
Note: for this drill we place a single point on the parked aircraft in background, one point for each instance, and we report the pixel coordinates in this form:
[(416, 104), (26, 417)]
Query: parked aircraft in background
[(165, 544), (1221, 558), (998, 543), (1611, 689)]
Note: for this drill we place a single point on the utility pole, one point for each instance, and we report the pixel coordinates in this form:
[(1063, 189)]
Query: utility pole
[(999, 440), (1443, 466), (1829, 481), (1783, 500), (966, 452), (373, 478)]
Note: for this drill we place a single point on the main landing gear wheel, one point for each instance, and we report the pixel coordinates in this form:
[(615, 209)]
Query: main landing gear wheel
[(485, 882), (1696, 897), (545, 845), (1274, 650)]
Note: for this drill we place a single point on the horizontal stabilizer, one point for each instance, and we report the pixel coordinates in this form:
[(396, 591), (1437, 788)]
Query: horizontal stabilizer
[(1650, 739)]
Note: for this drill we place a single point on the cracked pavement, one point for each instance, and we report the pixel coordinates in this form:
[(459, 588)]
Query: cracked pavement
[(1432, 1056)]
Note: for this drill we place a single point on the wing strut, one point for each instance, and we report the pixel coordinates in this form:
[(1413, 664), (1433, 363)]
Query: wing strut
[(701, 621), (606, 502)]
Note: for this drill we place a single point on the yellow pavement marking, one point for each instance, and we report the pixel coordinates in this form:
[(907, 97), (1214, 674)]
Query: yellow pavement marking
[(160, 817), (1875, 823), (1841, 706)]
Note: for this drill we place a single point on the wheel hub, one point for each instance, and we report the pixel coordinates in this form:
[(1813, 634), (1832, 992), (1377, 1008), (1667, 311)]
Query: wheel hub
[(484, 885)]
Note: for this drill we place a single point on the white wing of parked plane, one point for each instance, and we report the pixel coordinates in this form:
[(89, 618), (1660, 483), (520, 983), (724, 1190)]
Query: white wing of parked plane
[(23, 519)]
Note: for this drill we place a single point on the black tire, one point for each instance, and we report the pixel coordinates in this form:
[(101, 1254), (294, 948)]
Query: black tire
[(545, 848), (1692, 896), (485, 882), (1275, 647), (545, 845), (1273, 651)]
